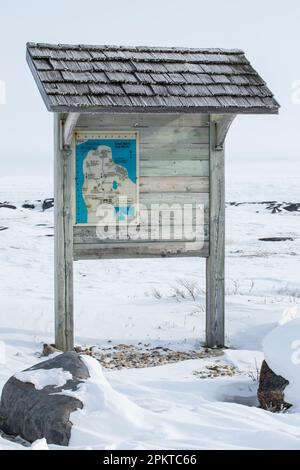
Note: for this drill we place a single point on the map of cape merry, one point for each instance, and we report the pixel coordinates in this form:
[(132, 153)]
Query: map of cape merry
[(106, 173)]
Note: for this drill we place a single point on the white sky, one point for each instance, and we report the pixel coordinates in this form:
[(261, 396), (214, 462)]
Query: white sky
[(268, 32)]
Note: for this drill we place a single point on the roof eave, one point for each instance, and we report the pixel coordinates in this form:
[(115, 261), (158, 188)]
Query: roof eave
[(38, 81), (167, 110)]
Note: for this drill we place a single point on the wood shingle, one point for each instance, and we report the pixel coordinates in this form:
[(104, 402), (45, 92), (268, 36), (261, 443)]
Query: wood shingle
[(100, 78)]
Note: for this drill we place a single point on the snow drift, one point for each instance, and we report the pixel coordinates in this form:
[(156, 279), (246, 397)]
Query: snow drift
[(282, 353), (107, 415)]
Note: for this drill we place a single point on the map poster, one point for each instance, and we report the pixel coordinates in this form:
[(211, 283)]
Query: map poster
[(106, 173)]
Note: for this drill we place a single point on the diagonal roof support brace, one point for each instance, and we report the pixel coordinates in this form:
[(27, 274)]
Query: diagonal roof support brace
[(68, 128), (222, 127)]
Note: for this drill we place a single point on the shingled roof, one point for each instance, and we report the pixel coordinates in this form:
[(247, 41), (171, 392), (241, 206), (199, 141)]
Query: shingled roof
[(101, 78)]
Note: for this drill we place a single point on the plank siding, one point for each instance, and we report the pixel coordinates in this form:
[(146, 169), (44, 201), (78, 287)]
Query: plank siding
[(173, 169), (139, 250), (96, 121), (150, 151), (89, 235), (189, 184)]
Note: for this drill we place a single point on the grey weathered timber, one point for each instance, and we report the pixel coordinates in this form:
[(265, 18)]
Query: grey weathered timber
[(169, 145), (63, 241), (95, 121), (189, 184), (174, 168), (165, 135), (69, 126), (170, 151), (140, 250), (137, 234), (222, 129), (149, 198), (215, 290)]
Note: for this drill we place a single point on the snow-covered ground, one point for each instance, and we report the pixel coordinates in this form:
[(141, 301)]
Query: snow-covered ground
[(146, 301)]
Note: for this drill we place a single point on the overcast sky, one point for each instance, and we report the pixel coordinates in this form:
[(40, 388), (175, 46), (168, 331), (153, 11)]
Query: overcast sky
[(268, 32)]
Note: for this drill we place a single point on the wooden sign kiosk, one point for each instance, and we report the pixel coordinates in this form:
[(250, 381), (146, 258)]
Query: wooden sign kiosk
[(148, 125)]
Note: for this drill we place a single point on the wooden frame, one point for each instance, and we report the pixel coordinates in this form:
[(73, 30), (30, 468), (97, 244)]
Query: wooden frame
[(63, 241), (215, 263), (64, 164), (123, 97)]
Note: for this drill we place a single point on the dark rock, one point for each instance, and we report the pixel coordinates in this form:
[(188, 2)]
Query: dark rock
[(273, 206), (48, 203), (7, 205), (3, 228), (39, 204), (271, 390), (276, 239), (34, 414), (49, 349), (292, 207)]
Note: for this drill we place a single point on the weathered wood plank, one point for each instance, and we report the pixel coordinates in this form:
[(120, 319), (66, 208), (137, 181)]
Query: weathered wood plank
[(190, 184), (222, 129), (166, 135), (104, 121), (173, 151), (174, 168), (172, 148), (215, 291), (140, 250), (69, 126), (123, 234), (174, 136), (63, 242), (174, 198)]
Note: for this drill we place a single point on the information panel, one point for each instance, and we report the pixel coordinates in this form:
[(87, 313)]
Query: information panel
[(106, 173)]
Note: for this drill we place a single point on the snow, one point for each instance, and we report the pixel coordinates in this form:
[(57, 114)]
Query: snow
[(166, 412), (111, 415), (41, 378), (282, 352), (290, 314), (141, 301), (40, 444)]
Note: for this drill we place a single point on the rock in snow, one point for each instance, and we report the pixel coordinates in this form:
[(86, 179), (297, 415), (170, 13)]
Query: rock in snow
[(39, 204), (34, 404), (271, 390), (41, 407), (50, 349), (280, 386)]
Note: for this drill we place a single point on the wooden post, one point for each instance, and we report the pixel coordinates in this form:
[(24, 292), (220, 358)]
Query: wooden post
[(215, 290), (63, 241)]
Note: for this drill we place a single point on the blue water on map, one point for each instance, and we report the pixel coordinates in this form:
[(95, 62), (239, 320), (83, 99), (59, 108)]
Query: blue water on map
[(123, 154)]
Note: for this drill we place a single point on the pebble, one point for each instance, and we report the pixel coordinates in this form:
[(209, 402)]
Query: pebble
[(123, 356)]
